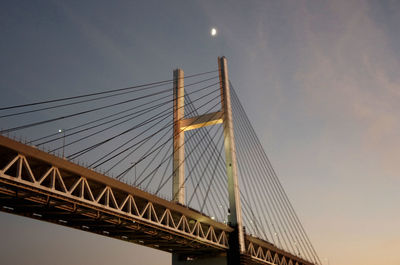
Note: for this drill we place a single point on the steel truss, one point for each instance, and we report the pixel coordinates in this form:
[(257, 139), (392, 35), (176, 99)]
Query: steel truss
[(266, 253), (58, 195)]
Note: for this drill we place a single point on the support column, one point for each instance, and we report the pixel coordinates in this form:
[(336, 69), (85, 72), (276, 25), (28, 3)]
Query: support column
[(178, 188), (236, 238), (235, 217)]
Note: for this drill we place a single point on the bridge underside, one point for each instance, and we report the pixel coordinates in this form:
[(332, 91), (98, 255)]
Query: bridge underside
[(44, 187), (20, 200)]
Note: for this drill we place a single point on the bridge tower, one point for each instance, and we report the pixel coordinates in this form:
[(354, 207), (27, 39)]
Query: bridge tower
[(224, 116), (178, 187)]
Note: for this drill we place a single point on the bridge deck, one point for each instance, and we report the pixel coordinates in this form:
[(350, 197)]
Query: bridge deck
[(39, 185)]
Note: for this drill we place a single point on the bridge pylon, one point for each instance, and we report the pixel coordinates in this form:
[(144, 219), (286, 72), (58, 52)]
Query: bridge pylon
[(178, 187), (37, 184), (224, 116)]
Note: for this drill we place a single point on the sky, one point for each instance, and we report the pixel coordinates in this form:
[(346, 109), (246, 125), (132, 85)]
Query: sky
[(318, 79)]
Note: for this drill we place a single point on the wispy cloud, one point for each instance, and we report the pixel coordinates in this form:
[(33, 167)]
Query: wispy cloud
[(347, 77)]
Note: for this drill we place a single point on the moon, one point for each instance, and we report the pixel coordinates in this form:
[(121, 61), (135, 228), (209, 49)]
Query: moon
[(213, 32)]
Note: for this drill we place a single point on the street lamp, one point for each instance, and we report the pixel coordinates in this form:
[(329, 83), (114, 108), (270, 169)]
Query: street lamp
[(62, 131)]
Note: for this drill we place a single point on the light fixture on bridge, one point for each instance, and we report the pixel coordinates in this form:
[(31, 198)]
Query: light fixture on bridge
[(63, 147)]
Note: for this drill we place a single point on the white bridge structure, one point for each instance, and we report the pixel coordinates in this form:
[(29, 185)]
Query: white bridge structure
[(227, 205)]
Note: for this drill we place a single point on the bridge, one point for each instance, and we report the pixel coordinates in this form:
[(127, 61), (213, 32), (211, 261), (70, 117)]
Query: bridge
[(172, 166)]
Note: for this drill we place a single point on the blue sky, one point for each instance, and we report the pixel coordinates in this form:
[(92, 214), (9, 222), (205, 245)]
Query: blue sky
[(318, 79)]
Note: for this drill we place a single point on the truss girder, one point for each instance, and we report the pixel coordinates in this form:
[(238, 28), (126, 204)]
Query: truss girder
[(262, 252), (18, 172)]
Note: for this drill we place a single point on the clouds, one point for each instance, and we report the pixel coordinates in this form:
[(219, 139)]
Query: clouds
[(347, 80), (326, 76), (319, 79), (347, 77)]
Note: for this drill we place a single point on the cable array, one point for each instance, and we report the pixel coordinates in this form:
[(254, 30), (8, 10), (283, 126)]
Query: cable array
[(127, 133), (273, 214), (208, 191), (124, 133)]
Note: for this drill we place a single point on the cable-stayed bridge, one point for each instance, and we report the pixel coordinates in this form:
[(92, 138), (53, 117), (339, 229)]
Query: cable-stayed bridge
[(173, 165)]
